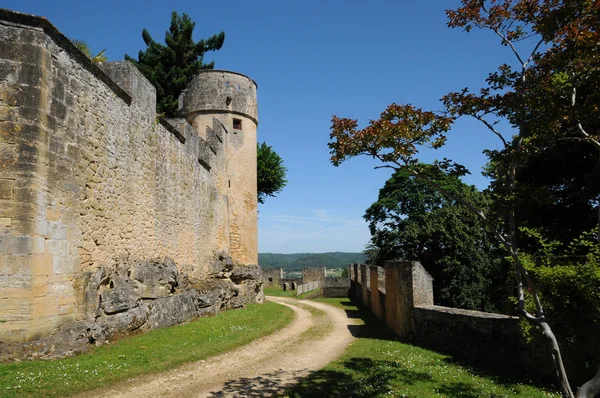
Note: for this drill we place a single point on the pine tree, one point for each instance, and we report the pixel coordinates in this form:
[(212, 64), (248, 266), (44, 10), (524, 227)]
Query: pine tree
[(271, 172), (171, 67)]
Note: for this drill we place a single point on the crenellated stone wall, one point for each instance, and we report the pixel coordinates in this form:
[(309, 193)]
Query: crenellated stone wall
[(111, 219), (406, 306)]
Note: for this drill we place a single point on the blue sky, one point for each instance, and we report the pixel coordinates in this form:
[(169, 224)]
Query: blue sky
[(312, 59)]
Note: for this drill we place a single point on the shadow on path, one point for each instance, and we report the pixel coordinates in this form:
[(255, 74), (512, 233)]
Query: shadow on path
[(265, 385)]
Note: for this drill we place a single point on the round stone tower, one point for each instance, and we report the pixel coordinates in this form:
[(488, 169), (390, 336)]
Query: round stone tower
[(222, 108)]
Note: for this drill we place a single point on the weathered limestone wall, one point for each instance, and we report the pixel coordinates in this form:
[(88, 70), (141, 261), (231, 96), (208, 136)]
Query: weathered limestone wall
[(377, 297), (310, 274), (336, 287), (307, 287), (364, 285), (407, 307), (103, 207), (226, 103), (272, 276)]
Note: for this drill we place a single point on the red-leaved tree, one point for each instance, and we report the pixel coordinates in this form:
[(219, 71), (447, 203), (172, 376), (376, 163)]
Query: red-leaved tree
[(547, 92)]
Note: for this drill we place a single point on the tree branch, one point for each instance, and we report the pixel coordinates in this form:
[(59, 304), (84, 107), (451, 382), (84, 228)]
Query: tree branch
[(537, 46), (492, 129), (512, 46), (580, 128)]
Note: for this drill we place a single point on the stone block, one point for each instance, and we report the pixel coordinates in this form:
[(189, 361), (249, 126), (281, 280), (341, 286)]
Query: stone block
[(38, 245), (44, 307), (3, 264), (61, 265), (14, 293), (41, 264), (14, 309), (39, 287), (18, 265), (23, 245)]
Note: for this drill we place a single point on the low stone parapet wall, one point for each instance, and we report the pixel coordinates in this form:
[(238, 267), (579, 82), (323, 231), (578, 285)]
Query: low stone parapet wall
[(405, 303), (307, 287)]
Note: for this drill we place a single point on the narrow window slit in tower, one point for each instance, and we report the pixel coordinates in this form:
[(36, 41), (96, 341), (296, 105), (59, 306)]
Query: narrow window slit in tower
[(229, 182), (237, 124)]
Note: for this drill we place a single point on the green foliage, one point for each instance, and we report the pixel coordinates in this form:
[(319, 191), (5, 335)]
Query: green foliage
[(270, 172), (345, 273), (555, 193), (297, 261), (172, 66), (85, 48), (155, 351), (412, 220), (569, 288)]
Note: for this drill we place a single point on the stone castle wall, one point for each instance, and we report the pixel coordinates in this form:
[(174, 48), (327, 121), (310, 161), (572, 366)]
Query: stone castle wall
[(406, 306), (272, 277), (311, 274), (103, 207)]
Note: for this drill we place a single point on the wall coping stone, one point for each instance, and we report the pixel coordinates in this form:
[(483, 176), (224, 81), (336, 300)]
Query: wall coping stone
[(463, 312)]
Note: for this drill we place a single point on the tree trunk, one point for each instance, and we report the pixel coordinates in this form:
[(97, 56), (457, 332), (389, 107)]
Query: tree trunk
[(590, 389)]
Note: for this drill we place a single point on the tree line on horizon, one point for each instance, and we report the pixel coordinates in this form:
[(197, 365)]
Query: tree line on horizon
[(297, 261)]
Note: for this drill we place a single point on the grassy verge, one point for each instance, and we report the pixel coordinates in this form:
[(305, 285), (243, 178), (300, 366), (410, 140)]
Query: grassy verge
[(279, 292), (322, 325), (378, 365), (154, 351)]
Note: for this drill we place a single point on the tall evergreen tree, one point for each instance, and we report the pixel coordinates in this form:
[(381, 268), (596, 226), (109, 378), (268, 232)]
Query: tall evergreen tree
[(170, 67), (271, 172)]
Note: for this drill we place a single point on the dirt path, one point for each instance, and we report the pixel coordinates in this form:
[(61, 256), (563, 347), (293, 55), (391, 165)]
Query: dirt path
[(259, 369)]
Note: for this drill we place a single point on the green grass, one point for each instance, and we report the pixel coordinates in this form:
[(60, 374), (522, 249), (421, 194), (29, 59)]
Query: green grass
[(154, 351), (378, 365), (323, 324), (279, 292)]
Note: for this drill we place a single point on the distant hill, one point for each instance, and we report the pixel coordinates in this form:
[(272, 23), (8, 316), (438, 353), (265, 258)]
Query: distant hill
[(297, 261)]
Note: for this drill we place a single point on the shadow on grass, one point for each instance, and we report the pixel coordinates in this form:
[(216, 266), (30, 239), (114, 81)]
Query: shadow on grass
[(368, 378), (362, 377)]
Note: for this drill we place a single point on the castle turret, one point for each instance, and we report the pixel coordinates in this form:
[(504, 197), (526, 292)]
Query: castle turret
[(222, 107)]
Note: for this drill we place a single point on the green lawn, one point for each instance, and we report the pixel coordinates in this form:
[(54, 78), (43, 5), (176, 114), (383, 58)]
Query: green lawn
[(279, 292), (378, 365), (154, 351)]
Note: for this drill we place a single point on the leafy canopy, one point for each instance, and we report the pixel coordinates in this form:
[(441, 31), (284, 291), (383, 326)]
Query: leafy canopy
[(549, 92), (271, 172), (172, 66), (411, 220)]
